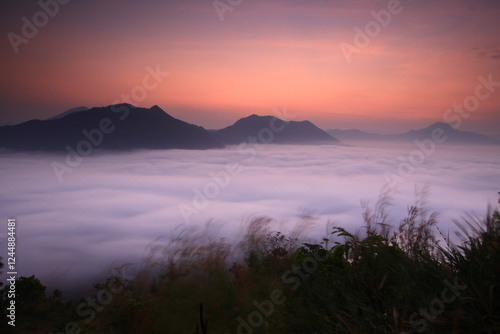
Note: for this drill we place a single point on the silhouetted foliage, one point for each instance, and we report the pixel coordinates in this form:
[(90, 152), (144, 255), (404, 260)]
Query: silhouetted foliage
[(386, 280)]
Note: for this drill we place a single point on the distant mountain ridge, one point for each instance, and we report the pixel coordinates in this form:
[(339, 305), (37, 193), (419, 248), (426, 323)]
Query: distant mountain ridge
[(116, 127), (453, 135), (270, 128), (126, 127), (68, 112)]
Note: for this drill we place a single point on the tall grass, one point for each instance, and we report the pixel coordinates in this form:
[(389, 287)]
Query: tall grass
[(387, 279)]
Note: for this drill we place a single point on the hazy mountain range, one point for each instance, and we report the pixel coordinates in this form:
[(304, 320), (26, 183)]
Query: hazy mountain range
[(125, 127), (68, 112), (271, 129), (117, 127), (453, 135)]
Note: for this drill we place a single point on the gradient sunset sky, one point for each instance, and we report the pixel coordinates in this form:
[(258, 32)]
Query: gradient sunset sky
[(262, 55)]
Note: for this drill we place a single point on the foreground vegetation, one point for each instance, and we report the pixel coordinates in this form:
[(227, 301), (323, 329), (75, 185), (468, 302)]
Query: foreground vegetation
[(410, 279)]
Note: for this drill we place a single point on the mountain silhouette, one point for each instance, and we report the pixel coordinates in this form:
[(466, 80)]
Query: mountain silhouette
[(68, 112), (269, 129), (453, 135), (125, 127), (115, 127)]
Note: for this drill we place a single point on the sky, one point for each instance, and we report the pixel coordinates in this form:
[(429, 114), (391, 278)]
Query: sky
[(112, 206), (249, 56)]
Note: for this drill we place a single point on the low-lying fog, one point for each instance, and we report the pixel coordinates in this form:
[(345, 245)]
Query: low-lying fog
[(110, 207)]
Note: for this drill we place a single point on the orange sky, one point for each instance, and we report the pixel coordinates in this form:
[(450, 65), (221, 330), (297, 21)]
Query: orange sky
[(264, 54)]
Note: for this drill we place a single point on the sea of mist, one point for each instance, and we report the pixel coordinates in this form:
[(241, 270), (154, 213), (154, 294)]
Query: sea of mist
[(113, 205)]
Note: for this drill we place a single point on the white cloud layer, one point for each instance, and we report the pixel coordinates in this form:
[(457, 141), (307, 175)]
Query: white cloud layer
[(112, 206)]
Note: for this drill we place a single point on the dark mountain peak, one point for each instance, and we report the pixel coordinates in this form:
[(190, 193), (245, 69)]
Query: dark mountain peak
[(307, 123), (438, 125), (114, 127), (128, 109), (253, 121), (119, 105), (303, 132), (154, 111), (253, 118), (156, 108), (115, 107), (453, 136)]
